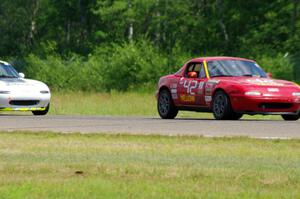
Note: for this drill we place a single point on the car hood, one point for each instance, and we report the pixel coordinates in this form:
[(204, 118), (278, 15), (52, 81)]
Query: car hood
[(10, 84), (255, 81)]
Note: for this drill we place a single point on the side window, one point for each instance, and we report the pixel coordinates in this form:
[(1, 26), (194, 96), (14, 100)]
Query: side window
[(202, 72), (190, 68), (195, 67)]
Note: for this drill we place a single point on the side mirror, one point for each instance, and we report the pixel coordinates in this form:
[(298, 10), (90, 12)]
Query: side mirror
[(269, 75), (192, 74), (21, 75)]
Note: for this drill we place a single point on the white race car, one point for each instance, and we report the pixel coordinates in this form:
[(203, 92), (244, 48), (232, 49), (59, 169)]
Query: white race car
[(20, 94)]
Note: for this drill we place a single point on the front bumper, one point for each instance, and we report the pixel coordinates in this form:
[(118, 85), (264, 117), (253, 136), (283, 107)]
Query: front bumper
[(42, 101), (265, 105)]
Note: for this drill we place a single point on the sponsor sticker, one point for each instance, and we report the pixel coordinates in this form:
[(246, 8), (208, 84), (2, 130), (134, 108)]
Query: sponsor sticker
[(264, 82), (208, 98), (273, 89), (174, 96), (213, 81), (187, 98), (174, 93), (173, 90), (201, 85), (174, 85)]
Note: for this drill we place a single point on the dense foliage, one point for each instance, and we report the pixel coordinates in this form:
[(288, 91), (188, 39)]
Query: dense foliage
[(119, 44)]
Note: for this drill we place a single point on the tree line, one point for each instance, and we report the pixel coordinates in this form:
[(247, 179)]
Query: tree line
[(112, 37)]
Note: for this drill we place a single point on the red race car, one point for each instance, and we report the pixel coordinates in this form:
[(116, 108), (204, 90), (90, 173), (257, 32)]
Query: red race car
[(227, 86)]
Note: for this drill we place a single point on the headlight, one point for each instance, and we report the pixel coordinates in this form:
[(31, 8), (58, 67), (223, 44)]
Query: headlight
[(4, 92), (296, 94), (44, 92), (253, 93)]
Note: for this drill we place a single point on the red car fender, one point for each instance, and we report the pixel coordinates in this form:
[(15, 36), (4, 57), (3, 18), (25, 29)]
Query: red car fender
[(169, 83), (229, 89), (212, 86)]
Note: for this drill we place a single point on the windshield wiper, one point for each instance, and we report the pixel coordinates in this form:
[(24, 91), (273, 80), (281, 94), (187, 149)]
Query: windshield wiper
[(223, 76), (7, 76), (247, 75), (250, 75)]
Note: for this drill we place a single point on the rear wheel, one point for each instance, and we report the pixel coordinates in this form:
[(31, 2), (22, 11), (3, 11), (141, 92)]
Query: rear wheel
[(165, 105), (291, 117), (44, 112), (221, 107)]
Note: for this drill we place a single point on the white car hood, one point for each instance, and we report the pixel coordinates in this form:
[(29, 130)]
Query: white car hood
[(20, 84)]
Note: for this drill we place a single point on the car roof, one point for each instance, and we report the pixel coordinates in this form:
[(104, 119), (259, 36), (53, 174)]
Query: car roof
[(219, 58)]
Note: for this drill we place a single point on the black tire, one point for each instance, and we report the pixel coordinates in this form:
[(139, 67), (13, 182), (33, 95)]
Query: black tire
[(44, 112), (165, 105), (221, 107), (291, 117)]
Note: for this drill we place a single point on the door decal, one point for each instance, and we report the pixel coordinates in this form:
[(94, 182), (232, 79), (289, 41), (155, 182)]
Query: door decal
[(192, 86)]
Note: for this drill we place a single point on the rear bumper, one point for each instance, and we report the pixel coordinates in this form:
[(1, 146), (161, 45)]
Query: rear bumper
[(265, 105)]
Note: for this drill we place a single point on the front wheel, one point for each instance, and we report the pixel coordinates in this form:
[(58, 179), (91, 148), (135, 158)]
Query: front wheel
[(44, 112), (221, 107), (165, 105), (291, 117)]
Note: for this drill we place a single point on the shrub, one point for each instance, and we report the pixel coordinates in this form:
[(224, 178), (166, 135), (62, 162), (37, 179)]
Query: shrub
[(110, 67), (278, 65), (131, 65)]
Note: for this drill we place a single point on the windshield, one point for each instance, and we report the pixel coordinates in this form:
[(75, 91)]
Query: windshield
[(7, 71), (234, 68)]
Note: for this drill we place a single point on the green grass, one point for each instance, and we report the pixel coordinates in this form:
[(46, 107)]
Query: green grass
[(44, 165), (114, 103), (118, 104)]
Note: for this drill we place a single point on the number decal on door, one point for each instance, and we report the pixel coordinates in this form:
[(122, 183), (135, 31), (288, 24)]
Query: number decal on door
[(191, 85)]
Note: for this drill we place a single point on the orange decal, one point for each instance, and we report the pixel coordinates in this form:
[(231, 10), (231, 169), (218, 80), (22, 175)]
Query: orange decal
[(187, 98)]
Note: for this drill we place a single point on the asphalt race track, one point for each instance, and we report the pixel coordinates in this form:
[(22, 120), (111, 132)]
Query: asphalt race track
[(135, 125)]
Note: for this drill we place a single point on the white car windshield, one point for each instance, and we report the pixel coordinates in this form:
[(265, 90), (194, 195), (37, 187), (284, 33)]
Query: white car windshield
[(235, 68), (7, 71)]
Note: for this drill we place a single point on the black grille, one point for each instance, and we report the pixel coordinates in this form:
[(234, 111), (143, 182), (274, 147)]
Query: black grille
[(275, 105), (24, 102)]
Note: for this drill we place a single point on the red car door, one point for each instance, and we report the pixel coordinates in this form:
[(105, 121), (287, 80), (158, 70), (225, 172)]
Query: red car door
[(191, 85)]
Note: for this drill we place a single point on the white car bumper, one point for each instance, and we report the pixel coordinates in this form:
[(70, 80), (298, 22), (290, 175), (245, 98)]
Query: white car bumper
[(30, 101)]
